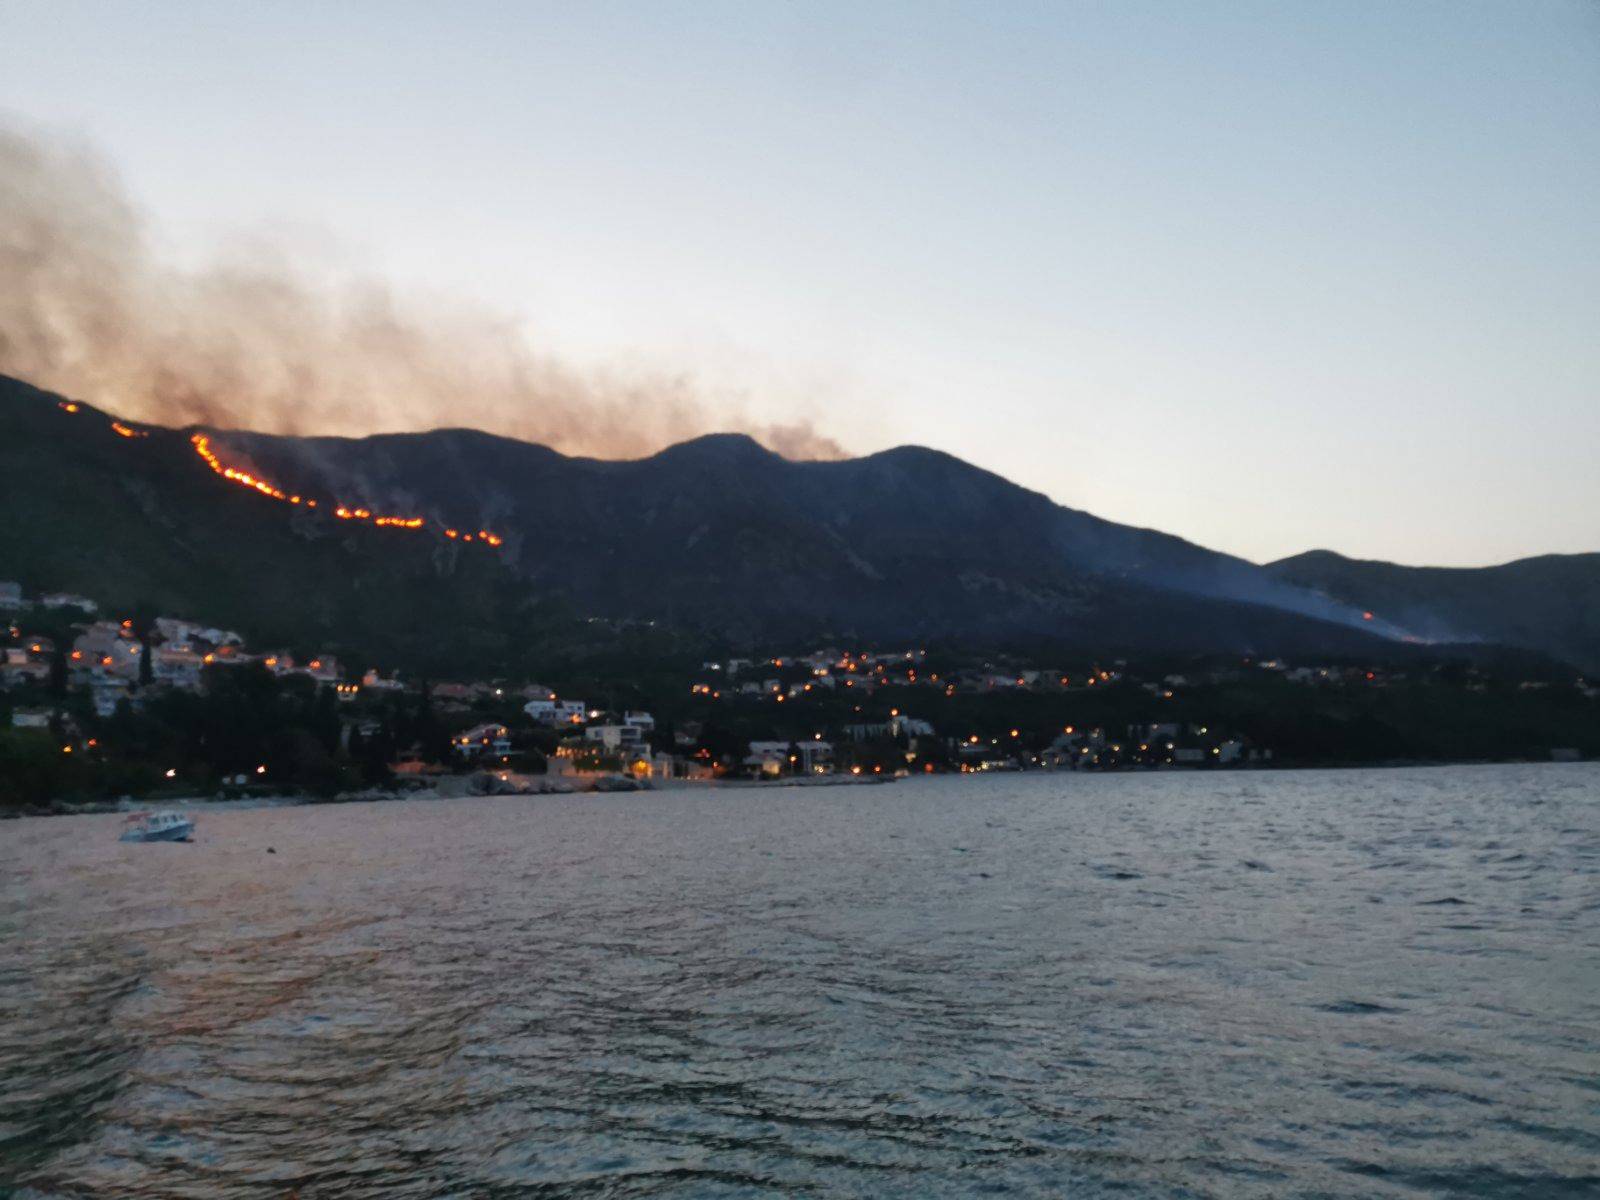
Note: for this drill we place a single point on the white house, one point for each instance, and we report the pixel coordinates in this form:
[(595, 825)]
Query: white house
[(10, 594), (550, 711), (173, 630), (642, 719), (903, 726), (617, 738), (68, 600), (769, 758), (177, 665)]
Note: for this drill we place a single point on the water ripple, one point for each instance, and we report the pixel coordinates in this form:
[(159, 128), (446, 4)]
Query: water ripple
[(1300, 984)]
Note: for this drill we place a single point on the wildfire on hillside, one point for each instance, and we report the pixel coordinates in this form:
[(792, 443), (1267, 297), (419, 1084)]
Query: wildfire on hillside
[(202, 446)]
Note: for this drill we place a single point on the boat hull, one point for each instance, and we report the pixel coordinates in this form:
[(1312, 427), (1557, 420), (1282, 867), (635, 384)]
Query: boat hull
[(176, 833)]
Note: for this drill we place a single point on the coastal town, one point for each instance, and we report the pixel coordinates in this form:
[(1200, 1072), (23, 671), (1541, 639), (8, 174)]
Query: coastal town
[(83, 686)]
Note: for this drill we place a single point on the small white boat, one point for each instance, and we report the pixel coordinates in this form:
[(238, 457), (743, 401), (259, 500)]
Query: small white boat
[(165, 826)]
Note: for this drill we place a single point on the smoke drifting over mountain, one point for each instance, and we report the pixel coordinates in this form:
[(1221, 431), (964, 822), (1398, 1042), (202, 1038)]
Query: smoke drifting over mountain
[(261, 342)]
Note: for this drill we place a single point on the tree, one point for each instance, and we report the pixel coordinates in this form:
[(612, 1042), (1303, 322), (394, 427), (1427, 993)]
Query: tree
[(143, 626), (33, 769)]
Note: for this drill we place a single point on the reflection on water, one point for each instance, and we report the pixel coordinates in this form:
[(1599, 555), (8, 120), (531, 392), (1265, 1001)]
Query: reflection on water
[(1298, 984)]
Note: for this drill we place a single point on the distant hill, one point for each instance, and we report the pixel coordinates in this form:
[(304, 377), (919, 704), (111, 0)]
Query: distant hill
[(1550, 603), (716, 537)]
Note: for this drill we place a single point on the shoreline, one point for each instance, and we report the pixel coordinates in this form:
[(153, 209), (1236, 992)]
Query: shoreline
[(459, 786)]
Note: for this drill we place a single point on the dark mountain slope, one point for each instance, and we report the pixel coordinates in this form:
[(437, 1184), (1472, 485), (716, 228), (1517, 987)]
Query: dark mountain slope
[(1550, 603), (717, 537), (907, 541)]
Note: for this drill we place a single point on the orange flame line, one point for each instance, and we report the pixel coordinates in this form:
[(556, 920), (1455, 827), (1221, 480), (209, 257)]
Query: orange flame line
[(202, 447)]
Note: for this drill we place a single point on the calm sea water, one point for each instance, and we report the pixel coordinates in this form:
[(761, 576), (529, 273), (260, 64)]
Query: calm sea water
[(1380, 983)]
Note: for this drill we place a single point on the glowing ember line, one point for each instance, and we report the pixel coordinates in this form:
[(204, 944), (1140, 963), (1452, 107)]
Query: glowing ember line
[(202, 447), (127, 431)]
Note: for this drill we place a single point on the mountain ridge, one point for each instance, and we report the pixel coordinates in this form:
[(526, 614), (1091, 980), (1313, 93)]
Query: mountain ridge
[(721, 534)]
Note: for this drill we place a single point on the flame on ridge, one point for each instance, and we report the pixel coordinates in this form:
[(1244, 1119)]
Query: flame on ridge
[(202, 447)]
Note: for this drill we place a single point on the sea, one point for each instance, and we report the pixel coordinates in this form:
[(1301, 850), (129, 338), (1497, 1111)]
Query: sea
[(1355, 983)]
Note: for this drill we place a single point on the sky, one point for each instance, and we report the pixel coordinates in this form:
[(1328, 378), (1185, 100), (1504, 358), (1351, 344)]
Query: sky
[(1270, 276)]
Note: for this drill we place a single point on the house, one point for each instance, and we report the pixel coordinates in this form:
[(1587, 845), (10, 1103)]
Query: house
[(671, 766), (643, 720), (31, 718), (866, 731), (177, 666), (323, 670), (173, 629), (10, 594), (903, 726), (101, 638), (548, 710), (814, 757), (107, 649), (68, 600), (16, 663), (491, 739), (623, 739), (373, 682), (107, 693), (769, 758)]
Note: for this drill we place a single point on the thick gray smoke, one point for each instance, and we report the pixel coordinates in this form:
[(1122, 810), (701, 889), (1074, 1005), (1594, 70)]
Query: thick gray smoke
[(86, 309)]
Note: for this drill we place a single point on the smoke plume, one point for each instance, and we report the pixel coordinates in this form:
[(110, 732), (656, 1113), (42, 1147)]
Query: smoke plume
[(263, 342)]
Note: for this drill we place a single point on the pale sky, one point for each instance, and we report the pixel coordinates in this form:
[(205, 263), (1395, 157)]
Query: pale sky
[(1268, 276)]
